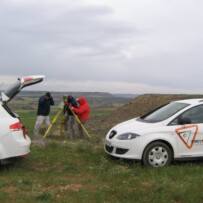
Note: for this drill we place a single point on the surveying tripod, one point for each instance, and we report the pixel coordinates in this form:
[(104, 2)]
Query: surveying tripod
[(62, 109)]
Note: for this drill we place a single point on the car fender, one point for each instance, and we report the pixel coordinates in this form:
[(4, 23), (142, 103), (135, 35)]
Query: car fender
[(159, 137)]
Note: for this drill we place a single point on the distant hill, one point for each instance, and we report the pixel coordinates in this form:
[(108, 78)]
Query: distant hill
[(77, 94), (95, 99), (130, 96), (59, 95), (141, 105)]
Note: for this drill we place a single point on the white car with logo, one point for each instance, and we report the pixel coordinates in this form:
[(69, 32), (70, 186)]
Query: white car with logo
[(171, 132), (14, 141)]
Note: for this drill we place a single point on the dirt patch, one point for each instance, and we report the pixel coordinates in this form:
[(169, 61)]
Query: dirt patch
[(72, 187), (40, 142)]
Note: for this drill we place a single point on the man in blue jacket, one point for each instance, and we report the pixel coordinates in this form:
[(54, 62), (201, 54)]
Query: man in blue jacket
[(43, 111)]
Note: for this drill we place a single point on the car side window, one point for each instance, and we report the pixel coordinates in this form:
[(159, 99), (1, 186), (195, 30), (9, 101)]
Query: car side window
[(195, 114)]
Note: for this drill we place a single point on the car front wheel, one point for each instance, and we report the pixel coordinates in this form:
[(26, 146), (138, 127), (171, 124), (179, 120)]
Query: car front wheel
[(157, 154)]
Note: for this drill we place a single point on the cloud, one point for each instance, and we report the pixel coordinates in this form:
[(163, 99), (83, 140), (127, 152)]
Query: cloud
[(153, 45), (53, 38)]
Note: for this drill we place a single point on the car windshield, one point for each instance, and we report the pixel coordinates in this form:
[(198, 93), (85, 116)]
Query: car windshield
[(164, 112)]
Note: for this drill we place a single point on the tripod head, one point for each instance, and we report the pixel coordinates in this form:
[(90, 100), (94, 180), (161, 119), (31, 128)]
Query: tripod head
[(65, 98)]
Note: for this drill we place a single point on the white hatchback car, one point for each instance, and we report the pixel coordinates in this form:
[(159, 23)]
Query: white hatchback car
[(14, 141), (171, 132)]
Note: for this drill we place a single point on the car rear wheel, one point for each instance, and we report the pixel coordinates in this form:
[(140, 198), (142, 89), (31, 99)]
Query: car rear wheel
[(157, 154)]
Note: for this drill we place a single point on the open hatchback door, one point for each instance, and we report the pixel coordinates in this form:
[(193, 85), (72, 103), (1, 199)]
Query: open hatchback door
[(9, 93), (14, 139)]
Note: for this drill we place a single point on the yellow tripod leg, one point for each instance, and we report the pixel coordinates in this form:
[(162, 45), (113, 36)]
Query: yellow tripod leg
[(80, 123), (53, 122), (61, 126)]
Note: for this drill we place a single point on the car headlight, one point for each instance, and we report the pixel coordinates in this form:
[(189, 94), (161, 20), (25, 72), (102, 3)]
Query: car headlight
[(127, 136)]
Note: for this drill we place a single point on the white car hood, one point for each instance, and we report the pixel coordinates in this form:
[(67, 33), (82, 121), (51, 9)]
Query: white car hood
[(135, 125)]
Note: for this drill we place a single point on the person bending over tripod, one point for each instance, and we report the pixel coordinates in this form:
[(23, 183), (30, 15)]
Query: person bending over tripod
[(83, 114)]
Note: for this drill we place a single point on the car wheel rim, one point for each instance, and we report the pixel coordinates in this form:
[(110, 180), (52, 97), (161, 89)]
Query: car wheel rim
[(158, 156)]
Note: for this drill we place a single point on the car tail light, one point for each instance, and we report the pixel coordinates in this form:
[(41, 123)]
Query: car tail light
[(16, 126)]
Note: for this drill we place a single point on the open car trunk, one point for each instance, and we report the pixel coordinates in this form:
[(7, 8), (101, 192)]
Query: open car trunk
[(9, 93)]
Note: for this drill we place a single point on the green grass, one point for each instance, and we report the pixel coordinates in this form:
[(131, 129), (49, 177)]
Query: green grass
[(80, 171), (102, 112)]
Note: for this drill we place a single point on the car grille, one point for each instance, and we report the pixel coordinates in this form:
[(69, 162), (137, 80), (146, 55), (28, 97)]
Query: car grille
[(112, 134), (121, 151), (108, 149)]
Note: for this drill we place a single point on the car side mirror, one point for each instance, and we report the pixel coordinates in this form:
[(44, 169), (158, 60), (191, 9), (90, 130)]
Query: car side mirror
[(184, 120)]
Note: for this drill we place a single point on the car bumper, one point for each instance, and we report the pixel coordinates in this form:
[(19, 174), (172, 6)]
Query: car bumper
[(14, 144), (123, 149)]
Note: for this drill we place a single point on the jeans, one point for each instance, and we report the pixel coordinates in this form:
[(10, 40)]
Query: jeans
[(39, 121)]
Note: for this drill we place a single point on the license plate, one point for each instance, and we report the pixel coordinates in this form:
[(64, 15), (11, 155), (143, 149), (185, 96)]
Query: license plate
[(108, 143)]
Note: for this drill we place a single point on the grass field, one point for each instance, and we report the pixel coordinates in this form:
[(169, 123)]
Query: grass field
[(79, 171)]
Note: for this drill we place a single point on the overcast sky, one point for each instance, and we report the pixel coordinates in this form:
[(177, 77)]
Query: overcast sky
[(117, 46)]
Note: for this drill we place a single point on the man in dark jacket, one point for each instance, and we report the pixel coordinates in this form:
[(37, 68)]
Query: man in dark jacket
[(43, 111), (69, 119)]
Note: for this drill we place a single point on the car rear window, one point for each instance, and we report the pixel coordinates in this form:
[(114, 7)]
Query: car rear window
[(164, 112)]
